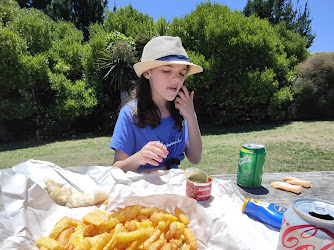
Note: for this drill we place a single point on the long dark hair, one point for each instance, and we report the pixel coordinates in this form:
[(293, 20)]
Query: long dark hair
[(145, 111)]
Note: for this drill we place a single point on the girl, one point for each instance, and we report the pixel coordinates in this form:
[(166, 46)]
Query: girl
[(159, 124)]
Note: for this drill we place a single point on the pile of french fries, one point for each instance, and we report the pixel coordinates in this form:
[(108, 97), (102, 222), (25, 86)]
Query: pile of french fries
[(132, 227)]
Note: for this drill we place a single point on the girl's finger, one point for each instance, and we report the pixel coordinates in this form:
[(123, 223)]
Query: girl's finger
[(185, 90), (192, 96)]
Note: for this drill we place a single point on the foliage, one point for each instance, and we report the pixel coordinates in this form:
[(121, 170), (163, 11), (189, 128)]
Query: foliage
[(282, 11), (117, 61), (248, 62), (37, 4), (41, 80), (81, 12), (52, 80), (127, 21), (35, 27), (8, 9), (315, 86)]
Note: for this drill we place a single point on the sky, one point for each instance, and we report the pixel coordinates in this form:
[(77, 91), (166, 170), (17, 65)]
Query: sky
[(321, 12)]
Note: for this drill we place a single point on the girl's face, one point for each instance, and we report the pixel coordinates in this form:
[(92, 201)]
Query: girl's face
[(166, 81)]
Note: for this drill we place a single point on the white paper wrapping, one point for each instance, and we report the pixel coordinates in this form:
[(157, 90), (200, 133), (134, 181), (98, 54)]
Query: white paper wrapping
[(27, 212)]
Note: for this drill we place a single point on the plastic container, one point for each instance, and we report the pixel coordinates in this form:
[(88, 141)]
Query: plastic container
[(265, 212)]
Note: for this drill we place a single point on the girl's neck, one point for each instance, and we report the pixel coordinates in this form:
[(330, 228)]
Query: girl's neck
[(163, 108)]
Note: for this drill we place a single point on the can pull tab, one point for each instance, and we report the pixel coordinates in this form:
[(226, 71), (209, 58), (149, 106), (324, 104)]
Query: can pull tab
[(320, 210)]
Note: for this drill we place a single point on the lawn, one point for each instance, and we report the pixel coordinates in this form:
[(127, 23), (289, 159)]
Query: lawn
[(295, 146)]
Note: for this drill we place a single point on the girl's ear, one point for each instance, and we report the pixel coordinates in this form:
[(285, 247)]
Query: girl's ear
[(147, 74)]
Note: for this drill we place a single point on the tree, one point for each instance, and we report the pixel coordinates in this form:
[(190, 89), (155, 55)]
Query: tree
[(81, 12), (37, 4), (247, 63), (117, 61), (42, 89), (128, 21), (315, 88), (277, 11)]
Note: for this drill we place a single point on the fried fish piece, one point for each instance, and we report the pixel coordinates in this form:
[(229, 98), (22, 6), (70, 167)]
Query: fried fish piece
[(65, 197), (286, 186), (296, 181)]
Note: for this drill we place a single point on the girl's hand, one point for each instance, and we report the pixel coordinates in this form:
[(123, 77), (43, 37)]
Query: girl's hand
[(152, 153), (185, 103)]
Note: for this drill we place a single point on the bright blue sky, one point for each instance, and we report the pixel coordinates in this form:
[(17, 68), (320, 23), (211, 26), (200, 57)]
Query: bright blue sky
[(321, 14)]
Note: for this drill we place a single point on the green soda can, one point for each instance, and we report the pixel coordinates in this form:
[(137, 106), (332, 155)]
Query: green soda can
[(251, 164)]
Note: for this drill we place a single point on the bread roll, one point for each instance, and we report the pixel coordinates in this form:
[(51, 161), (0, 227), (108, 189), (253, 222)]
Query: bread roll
[(296, 181), (286, 186)]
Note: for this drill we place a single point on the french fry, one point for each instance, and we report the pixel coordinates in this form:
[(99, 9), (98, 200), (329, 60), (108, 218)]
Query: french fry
[(155, 218), (167, 246), (63, 224), (64, 236), (43, 248), (131, 227), (84, 245), (145, 223), (74, 240), (157, 244), (172, 230), (49, 243), (90, 230), (147, 211), (79, 231), (102, 241), (132, 236), (103, 214), (190, 238), (93, 218), (169, 217), (176, 243), (162, 225), (152, 238), (135, 211), (111, 242), (181, 216)]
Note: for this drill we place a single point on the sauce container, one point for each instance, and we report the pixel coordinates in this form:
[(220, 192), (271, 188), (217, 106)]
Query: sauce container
[(198, 184)]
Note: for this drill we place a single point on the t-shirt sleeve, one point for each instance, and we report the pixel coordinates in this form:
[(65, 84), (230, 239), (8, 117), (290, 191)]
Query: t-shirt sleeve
[(123, 135)]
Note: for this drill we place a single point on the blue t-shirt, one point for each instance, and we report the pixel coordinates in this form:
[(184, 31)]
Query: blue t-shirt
[(129, 138)]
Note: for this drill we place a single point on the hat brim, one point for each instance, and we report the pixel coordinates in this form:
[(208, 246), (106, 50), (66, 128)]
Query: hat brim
[(141, 67)]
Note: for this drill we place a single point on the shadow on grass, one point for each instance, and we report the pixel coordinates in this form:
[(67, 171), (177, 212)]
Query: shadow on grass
[(35, 142), (205, 130), (244, 128)]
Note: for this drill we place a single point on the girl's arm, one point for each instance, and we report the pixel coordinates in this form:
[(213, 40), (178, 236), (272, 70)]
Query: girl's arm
[(185, 103), (152, 153)]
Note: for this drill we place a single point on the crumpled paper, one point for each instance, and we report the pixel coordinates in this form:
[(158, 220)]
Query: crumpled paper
[(27, 212)]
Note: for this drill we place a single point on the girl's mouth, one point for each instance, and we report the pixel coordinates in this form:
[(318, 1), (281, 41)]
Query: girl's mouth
[(174, 89)]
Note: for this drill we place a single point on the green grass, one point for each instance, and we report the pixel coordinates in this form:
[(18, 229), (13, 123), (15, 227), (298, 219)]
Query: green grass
[(296, 146)]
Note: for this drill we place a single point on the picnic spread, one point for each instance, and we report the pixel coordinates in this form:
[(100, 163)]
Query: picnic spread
[(29, 213)]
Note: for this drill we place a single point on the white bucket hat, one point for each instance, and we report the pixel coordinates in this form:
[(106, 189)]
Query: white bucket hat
[(164, 50)]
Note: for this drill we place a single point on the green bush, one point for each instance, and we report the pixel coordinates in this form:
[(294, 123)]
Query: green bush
[(249, 63), (127, 21), (43, 89), (315, 88)]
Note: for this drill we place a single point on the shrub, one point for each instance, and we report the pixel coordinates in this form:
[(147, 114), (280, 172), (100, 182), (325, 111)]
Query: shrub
[(315, 88), (249, 62)]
